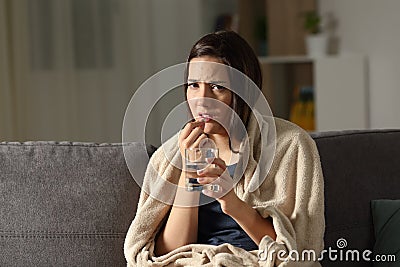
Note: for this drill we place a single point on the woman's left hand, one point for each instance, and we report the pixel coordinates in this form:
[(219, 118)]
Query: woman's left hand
[(216, 173)]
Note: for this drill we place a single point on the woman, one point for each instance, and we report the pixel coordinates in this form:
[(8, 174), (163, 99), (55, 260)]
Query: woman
[(240, 228)]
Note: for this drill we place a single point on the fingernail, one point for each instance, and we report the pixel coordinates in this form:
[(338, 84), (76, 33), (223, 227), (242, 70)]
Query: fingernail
[(200, 180), (200, 171)]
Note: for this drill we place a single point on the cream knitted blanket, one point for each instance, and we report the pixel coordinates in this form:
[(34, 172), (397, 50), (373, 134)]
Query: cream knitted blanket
[(292, 194)]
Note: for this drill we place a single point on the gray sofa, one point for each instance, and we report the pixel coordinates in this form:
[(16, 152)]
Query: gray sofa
[(70, 204)]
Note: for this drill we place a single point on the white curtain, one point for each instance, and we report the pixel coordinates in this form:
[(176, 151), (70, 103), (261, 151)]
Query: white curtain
[(6, 126), (68, 68)]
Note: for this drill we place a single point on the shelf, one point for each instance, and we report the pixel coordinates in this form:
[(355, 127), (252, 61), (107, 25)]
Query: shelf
[(285, 59), (339, 82)]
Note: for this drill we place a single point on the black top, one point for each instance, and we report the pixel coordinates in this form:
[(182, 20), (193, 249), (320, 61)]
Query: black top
[(216, 228)]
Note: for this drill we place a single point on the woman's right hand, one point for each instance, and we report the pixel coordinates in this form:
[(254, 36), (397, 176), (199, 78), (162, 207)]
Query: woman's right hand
[(181, 226), (191, 136)]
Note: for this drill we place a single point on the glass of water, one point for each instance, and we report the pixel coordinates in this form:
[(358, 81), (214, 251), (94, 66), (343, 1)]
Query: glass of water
[(196, 159)]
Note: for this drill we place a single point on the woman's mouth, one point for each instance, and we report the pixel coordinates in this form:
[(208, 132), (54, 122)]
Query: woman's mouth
[(205, 117)]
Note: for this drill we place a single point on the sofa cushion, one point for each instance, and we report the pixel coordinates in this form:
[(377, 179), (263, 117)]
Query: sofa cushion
[(386, 217), (358, 166), (65, 204)]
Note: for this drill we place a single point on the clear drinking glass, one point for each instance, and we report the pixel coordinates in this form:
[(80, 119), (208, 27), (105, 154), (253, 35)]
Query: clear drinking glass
[(195, 159)]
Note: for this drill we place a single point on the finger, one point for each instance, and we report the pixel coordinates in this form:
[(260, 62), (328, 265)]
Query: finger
[(213, 194), (211, 170), (208, 193), (224, 187), (217, 161), (188, 129), (192, 138), (206, 180), (185, 132), (199, 139)]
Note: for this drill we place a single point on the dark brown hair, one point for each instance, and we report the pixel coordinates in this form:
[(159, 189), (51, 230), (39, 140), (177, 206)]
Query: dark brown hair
[(234, 51)]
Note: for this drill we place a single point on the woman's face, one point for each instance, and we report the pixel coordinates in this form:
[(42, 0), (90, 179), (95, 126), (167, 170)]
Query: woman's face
[(208, 94)]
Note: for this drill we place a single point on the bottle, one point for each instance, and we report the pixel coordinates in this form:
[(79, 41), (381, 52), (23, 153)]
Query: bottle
[(309, 121), (302, 109)]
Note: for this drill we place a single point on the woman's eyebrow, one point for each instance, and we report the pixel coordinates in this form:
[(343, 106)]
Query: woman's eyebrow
[(217, 82), (213, 82)]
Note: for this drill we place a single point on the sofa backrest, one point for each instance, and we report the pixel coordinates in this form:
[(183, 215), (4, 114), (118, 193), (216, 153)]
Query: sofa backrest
[(65, 204), (358, 166)]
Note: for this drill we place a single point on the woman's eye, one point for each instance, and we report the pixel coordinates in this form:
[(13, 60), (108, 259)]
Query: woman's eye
[(192, 85), (217, 87)]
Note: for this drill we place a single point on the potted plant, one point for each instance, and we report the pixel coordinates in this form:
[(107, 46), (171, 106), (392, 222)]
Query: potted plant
[(316, 40)]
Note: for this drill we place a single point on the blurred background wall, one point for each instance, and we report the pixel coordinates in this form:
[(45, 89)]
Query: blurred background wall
[(370, 27), (68, 68)]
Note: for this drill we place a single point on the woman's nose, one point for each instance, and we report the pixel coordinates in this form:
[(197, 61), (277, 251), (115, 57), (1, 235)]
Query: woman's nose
[(205, 90)]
